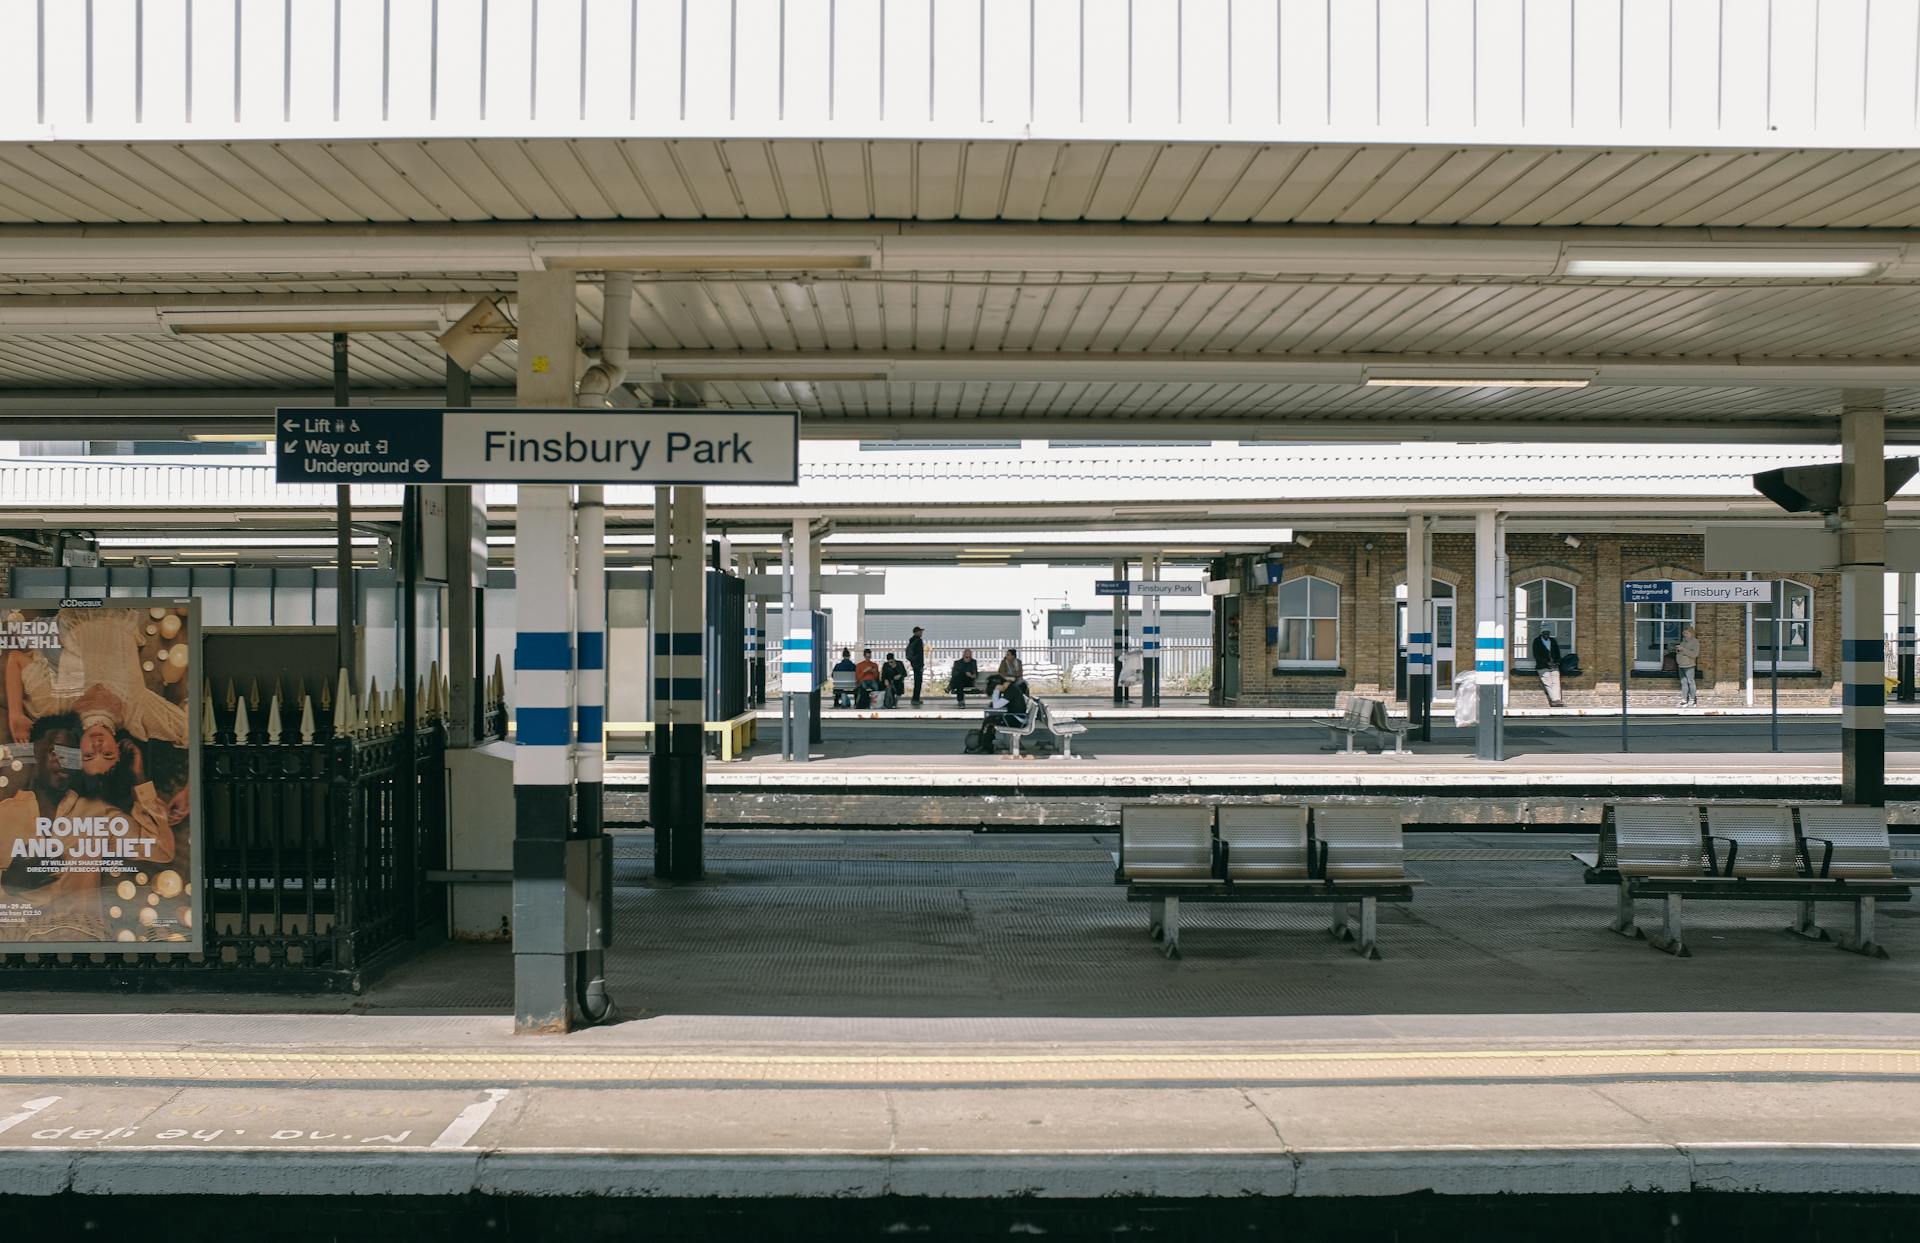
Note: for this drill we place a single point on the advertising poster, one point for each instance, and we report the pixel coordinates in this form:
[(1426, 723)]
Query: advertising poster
[(97, 787)]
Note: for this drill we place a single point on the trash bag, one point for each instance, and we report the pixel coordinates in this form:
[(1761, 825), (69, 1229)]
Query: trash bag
[(1466, 698)]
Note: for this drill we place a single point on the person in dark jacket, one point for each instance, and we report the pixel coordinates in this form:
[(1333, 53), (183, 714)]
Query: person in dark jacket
[(1546, 663), (916, 661), (893, 681), (964, 677)]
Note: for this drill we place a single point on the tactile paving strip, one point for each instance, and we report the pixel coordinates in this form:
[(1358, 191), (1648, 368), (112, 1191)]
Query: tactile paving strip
[(1013, 1067)]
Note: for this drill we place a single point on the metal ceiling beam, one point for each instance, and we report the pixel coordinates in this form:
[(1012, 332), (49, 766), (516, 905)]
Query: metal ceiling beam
[(114, 250)]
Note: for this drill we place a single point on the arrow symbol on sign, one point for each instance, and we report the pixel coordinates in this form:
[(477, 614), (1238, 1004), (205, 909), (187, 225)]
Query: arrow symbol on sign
[(290, 448), (290, 426)]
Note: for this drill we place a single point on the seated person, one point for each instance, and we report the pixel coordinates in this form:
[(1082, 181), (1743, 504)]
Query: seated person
[(965, 676), (1010, 670), (845, 665), (866, 679), (1007, 709), (893, 681)]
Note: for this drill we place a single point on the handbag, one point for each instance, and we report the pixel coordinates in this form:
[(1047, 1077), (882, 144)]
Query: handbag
[(1669, 663)]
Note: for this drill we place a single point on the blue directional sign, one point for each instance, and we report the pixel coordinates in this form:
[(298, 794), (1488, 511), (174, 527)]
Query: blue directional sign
[(1110, 586), (1647, 591), (642, 447)]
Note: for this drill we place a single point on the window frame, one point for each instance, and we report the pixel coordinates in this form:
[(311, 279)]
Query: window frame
[(1787, 585), (1522, 656), (1280, 619), (1668, 614)]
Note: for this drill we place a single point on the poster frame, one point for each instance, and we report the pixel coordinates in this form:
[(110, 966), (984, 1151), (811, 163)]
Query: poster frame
[(197, 845)]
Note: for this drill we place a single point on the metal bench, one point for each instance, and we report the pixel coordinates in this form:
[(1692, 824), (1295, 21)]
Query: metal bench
[(1009, 736), (844, 686), (1263, 853), (1366, 716), (1746, 853), (1064, 730)]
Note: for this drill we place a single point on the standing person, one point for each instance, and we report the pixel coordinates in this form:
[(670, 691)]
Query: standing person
[(1687, 656), (916, 661), (1546, 663)]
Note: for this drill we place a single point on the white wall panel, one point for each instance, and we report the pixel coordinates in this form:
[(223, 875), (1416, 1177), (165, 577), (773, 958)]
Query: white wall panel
[(1831, 74), (1254, 68)]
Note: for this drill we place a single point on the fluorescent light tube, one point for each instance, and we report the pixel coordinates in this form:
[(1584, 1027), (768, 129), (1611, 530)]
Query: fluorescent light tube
[(1748, 269), (1477, 382)]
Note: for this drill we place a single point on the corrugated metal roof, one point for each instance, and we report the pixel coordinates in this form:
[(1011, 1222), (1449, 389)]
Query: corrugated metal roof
[(472, 179)]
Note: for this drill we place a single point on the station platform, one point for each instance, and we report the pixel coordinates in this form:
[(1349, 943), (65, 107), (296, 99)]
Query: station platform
[(900, 772), (960, 1017)]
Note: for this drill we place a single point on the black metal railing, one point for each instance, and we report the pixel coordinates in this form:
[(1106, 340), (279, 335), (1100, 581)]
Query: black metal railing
[(312, 869)]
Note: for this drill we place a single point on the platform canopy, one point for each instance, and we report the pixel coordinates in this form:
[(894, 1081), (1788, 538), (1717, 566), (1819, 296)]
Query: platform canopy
[(980, 219)]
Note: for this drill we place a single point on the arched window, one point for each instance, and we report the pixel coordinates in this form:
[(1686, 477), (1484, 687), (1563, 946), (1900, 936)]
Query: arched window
[(1796, 629), (1308, 624), (1541, 604)]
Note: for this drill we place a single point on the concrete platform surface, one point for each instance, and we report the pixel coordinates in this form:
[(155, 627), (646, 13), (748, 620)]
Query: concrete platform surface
[(707, 1106)]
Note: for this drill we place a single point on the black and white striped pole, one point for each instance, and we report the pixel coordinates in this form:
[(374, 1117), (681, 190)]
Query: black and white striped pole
[(1863, 556)]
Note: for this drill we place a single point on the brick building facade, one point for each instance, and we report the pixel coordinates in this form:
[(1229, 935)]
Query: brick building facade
[(1368, 569), (21, 548)]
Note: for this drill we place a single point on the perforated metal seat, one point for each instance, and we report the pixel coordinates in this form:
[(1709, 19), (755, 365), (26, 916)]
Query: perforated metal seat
[(1659, 840), (1166, 843), (1764, 836), (1264, 842), (1361, 843), (1861, 850)]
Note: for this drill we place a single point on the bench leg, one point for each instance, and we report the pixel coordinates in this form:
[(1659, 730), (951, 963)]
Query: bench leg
[(1338, 926), (726, 743), (1670, 940), (1156, 917), (1369, 928), (1623, 912), (1170, 930), (1349, 742), (1862, 942), (1805, 925)]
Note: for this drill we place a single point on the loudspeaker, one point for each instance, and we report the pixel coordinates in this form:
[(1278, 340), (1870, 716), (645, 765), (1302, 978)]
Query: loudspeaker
[(1816, 489)]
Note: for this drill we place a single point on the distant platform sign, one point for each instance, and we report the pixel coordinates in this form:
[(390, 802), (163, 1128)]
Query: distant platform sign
[(644, 447), (1702, 591), (1131, 587)]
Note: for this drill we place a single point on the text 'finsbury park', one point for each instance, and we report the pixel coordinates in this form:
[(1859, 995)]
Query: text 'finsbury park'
[(681, 447)]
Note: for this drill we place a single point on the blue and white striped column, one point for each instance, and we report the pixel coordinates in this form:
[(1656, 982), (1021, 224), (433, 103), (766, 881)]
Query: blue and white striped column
[(1903, 639), (676, 790), (799, 680), (1863, 598), (1150, 634), (546, 910), (1490, 634)]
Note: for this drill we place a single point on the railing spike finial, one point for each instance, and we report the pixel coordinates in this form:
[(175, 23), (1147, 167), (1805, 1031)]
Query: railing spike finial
[(273, 717), (445, 694), (326, 695), (242, 732), (343, 706), (306, 716), (206, 711), (233, 696), (497, 687), (253, 693)]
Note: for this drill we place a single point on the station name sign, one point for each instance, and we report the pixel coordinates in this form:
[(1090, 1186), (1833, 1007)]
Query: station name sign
[(645, 447), (1704, 591), (1164, 587)]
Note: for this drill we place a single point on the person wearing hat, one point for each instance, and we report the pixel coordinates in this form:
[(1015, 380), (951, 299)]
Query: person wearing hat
[(916, 661)]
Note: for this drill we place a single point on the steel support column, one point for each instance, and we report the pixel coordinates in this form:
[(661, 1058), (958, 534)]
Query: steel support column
[(1120, 604), (1150, 633), (676, 773), (1863, 556), (1903, 640), (1490, 633), (343, 599), (1419, 630), (549, 895), (798, 678)]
